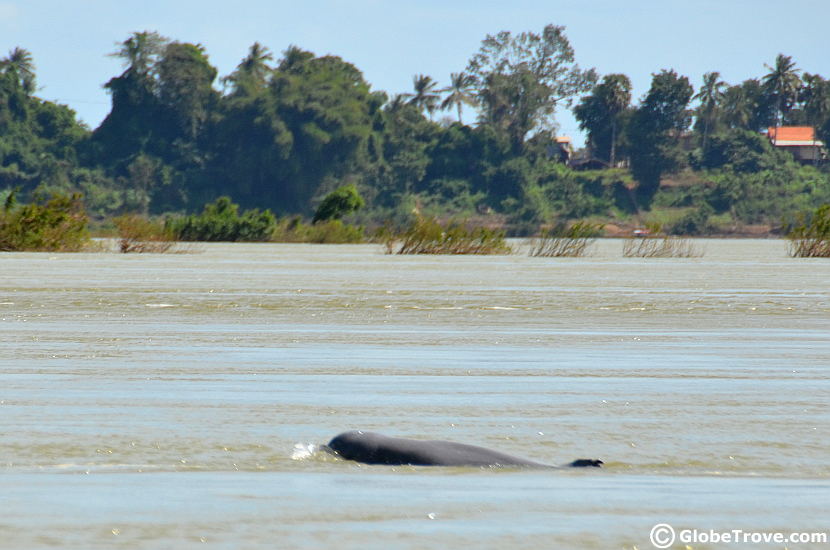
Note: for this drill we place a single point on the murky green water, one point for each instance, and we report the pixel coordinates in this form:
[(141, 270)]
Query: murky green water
[(155, 401)]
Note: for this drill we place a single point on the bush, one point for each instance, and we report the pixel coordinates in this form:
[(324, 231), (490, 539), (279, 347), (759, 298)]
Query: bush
[(343, 200), (810, 238), (140, 234), (57, 223), (564, 241), (428, 236), (695, 222), (221, 221)]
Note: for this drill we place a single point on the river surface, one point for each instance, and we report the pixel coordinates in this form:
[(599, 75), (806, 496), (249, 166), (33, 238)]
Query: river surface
[(174, 401)]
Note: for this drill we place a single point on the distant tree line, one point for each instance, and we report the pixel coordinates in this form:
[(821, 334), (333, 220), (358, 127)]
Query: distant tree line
[(283, 133), (726, 121)]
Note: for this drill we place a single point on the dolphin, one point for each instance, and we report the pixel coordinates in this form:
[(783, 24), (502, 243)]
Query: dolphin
[(375, 448)]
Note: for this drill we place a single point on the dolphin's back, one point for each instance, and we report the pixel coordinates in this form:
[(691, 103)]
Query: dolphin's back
[(374, 448)]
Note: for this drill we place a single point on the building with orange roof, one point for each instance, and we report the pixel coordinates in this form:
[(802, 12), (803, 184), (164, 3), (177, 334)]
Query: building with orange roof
[(800, 141), (563, 149)]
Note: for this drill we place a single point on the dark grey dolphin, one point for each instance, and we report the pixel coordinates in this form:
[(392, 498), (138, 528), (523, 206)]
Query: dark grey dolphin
[(374, 448)]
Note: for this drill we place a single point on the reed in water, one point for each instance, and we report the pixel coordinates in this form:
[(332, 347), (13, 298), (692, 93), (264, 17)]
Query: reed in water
[(565, 241), (810, 238), (426, 235), (655, 244)]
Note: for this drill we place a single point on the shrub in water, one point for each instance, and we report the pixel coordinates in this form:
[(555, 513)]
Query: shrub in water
[(221, 221), (140, 234), (810, 238), (293, 230)]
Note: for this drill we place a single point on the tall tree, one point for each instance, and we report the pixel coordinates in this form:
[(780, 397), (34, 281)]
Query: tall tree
[(823, 132), (749, 105), (710, 97), (459, 93), (133, 118), (657, 127), (405, 142), (815, 99), (160, 107), (735, 110), (185, 79), (599, 114), (426, 95), (307, 132), (783, 83), (520, 80), (39, 139), (21, 67)]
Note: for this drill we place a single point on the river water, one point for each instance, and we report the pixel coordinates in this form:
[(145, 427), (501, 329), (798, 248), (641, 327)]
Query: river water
[(166, 401)]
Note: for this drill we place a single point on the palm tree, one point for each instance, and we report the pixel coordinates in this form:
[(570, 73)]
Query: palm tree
[(20, 64), (815, 96), (293, 57), (460, 93), (783, 82), (256, 62), (710, 96), (140, 50), (395, 104), (425, 96), (736, 112), (252, 70)]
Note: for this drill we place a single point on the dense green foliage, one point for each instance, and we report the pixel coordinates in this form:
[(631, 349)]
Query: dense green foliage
[(338, 203), (306, 135), (601, 113), (293, 230), (521, 79), (57, 223), (655, 130), (221, 221)]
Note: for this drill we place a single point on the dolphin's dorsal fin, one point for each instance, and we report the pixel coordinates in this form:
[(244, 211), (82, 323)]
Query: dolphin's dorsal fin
[(586, 463)]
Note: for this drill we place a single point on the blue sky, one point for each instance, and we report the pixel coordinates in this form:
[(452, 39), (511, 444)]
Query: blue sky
[(390, 41)]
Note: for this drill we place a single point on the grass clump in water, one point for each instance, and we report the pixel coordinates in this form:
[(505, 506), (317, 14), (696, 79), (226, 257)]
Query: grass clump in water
[(810, 237), (565, 241), (57, 223), (426, 235), (656, 244)]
